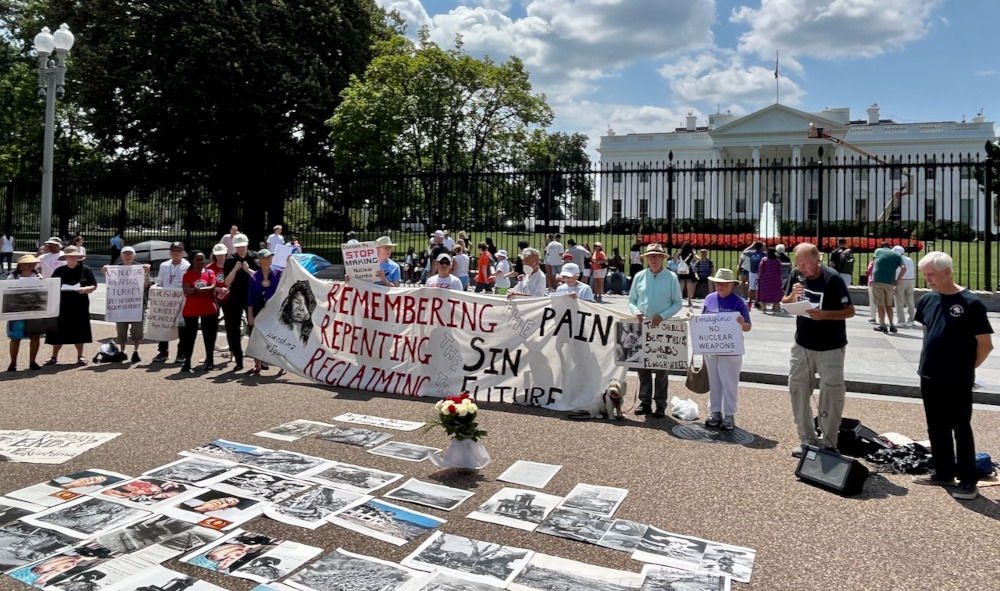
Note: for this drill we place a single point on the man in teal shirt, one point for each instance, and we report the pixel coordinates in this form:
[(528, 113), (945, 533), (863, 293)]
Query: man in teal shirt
[(655, 295), (889, 269)]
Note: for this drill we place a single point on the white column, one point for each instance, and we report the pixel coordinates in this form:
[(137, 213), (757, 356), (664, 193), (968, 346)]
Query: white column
[(795, 187), (754, 206)]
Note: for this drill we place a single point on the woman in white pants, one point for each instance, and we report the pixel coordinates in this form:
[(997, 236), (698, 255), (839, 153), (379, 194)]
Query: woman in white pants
[(724, 370)]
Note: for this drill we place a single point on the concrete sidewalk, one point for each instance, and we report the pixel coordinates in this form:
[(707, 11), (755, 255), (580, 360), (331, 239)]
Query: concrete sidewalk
[(877, 363)]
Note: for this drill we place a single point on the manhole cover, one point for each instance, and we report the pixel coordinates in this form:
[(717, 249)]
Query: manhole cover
[(696, 432)]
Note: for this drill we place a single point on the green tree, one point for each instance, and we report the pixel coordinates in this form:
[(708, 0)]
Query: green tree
[(227, 95), (566, 187), (419, 107)]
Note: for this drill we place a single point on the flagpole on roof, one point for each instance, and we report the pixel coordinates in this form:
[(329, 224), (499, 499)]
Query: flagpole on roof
[(776, 80)]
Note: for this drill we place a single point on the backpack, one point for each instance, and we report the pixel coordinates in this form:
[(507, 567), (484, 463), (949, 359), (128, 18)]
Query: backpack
[(109, 353)]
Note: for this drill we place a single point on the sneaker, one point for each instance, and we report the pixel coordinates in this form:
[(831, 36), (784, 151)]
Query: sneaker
[(181, 359), (643, 409), (728, 423), (160, 358), (797, 451), (714, 420), (135, 357), (931, 479), (658, 413), (880, 328), (965, 491), (892, 328)]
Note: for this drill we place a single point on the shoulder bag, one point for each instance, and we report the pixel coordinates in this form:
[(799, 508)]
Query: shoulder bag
[(697, 379)]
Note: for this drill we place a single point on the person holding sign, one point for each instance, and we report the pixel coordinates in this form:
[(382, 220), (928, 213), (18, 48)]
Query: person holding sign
[(571, 284), (73, 326), (171, 276), (199, 308), (655, 295), (388, 269), (18, 330), (820, 345), (263, 284), (724, 370), (128, 259)]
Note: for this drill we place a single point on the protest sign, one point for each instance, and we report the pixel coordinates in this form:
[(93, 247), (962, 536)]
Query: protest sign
[(281, 254), (643, 347), (716, 334), (29, 298), (361, 261), (126, 287), (47, 447), (165, 305), (556, 353)]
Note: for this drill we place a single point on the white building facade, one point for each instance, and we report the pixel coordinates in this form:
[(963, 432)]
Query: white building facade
[(733, 167)]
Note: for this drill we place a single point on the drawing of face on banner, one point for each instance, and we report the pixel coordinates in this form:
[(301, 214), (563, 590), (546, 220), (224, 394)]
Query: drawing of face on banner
[(558, 353)]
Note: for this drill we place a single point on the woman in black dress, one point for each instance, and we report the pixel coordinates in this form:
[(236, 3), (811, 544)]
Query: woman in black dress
[(73, 326)]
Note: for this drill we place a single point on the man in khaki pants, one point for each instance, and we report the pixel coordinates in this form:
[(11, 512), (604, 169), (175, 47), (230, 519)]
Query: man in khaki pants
[(820, 342)]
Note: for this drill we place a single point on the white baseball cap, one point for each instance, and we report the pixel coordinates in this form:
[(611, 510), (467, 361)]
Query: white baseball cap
[(570, 270), (240, 240)]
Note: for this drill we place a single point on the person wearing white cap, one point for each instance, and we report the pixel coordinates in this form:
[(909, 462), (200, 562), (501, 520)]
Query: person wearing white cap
[(437, 249), (571, 284), (50, 258), (502, 279), (904, 291), (444, 279), (724, 370), (388, 270), (239, 268), (123, 328), (655, 295)]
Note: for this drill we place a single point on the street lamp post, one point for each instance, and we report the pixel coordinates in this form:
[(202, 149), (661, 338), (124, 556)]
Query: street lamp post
[(51, 80)]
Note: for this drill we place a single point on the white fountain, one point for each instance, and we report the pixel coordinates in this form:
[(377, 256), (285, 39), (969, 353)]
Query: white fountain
[(768, 225)]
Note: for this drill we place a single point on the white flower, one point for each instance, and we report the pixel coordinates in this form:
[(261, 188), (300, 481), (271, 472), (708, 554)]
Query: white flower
[(473, 408), (463, 410), (438, 405)]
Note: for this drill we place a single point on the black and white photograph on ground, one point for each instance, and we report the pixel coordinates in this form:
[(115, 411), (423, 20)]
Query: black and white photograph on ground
[(195, 471), (11, 510), (730, 561), (66, 488), (386, 521), (664, 578), (288, 463), (354, 436), (158, 578), (668, 549), (21, 544), (345, 570), (439, 581), (310, 509), (404, 451), (353, 478), (294, 430), (59, 567), (380, 422), (86, 517), (623, 535), (158, 539), (262, 486), (223, 449), (628, 343), (484, 562), (272, 587), (252, 555), (440, 497), (515, 507), (551, 573), (147, 492), (600, 500), (575, 525), (533, 474), (216, 510)]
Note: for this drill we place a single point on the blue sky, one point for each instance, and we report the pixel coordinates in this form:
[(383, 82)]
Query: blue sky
[(642, 65)]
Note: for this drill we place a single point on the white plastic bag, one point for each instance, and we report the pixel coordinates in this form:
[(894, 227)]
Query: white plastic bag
[(685, 410)]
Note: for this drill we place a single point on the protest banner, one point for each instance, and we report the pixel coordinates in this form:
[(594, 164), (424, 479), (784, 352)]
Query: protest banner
[(126, 287), (556, 353), (641, 346), (716, 334), (47, 447), (281, 254), (361, 261), (165, 305), (29, 298)]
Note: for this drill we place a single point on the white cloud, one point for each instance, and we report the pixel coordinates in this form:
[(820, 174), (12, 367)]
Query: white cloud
[(721, 77), (829, 29), (498, 5), (411, 10)]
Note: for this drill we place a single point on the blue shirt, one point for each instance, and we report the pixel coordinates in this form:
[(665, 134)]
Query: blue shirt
[(391, 270), (731, 303), (655, 295), (258, 294), (755, 256)]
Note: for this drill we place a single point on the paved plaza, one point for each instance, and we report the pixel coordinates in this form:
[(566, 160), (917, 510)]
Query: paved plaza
[(893, 536)]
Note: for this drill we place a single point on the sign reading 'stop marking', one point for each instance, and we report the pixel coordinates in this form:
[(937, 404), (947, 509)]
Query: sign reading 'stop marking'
[(361, 261)]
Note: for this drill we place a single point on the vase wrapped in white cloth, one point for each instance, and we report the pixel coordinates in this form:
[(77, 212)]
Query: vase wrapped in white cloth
[(462, 453)]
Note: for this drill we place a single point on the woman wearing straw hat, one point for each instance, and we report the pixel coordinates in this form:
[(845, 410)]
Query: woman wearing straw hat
[(724, 370), (18, 330), (73, 327)]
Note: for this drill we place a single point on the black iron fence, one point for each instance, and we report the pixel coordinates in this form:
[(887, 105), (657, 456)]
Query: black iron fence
[(935, 202)]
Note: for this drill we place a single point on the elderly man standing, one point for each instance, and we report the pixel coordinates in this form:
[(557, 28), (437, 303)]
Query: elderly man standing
[(956, 341), (820, 344), (388, 269), (656, 295), (888, 271)]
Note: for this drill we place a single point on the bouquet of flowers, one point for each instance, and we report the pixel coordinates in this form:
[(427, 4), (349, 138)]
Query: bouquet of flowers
[(457, 414)]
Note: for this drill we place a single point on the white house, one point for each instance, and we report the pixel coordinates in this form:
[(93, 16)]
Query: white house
[(735, 165)]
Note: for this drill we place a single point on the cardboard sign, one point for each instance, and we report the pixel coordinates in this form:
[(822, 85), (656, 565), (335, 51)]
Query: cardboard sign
[(126, 287), (29, 298), (641, 346), (165, 305), (716, 334), (361, 261)]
